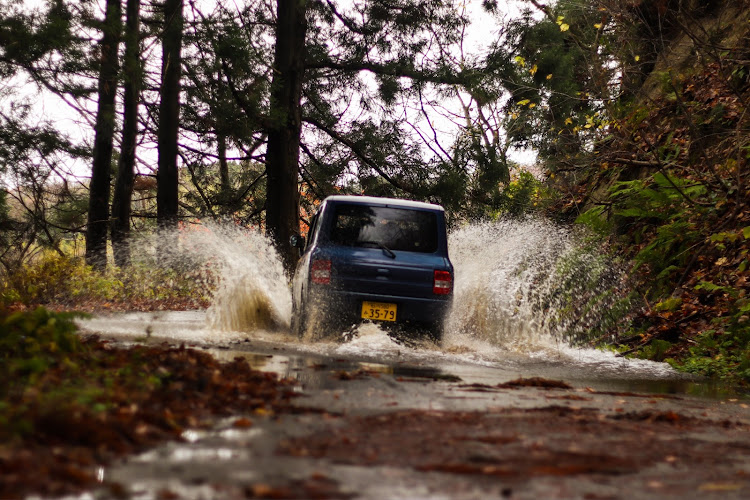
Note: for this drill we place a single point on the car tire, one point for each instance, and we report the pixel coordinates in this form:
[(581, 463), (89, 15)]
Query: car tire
[(298, 321), (435, 333)]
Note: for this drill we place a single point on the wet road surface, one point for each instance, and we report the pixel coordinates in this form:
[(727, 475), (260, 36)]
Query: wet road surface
[(390, 420)]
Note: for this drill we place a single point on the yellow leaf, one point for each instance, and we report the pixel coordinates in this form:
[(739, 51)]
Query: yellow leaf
[(532, 105), (523, 102), (637, 58), (564, 27), (720, 487), (520, 61), (549, 77), (568, 121), (598, 26), (533, 70), (560, 19)]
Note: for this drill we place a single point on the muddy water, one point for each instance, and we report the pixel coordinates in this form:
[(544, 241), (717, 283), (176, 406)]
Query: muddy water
[(470, 360), (525, 293)]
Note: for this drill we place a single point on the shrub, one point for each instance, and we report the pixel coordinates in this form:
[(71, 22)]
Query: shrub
[(55, 278), (61, 280), (32, 341)]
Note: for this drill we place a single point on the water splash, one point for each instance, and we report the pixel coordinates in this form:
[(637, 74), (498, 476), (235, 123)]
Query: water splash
[(251, 289), (526, 294), (530, 285), (253, 292), (523, 286)]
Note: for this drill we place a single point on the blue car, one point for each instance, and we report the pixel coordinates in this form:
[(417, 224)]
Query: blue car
[(373, 259)]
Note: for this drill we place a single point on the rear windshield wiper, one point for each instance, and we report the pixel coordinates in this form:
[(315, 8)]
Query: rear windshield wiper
[(384, 248)]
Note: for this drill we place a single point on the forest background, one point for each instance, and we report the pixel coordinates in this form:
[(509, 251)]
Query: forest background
[(252, 112)]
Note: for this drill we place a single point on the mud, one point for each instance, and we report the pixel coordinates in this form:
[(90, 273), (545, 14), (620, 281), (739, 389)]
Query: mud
[(399, 430), (503, 408)]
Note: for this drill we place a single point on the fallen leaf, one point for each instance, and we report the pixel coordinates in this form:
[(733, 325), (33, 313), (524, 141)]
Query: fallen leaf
[(720, 487), (243, 423)]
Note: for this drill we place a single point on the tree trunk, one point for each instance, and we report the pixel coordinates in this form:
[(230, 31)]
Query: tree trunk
[(224, 170), (98, 216), (169, 114), (282, 154), (121, 203)]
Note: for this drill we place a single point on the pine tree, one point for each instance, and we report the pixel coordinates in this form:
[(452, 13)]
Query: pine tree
[(99, 190), (121, 202), (169, 115)]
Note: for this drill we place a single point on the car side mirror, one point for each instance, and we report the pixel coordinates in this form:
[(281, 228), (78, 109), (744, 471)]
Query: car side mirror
[(297, 241)]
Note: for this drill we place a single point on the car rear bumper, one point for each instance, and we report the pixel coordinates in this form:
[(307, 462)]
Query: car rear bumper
[(345, 307)]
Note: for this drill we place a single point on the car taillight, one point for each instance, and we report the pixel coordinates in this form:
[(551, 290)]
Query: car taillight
[(320, 272), (443, 283)]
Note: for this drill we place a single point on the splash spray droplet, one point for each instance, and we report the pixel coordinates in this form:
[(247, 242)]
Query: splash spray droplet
[(252, 291), (523, 286), (528, 285)]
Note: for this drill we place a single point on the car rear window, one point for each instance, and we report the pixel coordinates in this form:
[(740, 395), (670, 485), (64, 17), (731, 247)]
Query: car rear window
[(394, 228)]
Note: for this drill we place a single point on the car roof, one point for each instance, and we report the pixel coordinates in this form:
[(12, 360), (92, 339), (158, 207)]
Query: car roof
[(390, 202)]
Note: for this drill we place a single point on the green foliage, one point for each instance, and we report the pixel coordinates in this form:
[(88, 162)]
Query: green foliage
[(655, 351), (658, 214), (28, 38), (587, 300), (5, 221), (64, 280), (376, 150), (57, 278), (522, 195), (69, 212), (720, 355), (557, 68), (668, 305), (31, 342), (469, 196), (47, 371), (242, 199), (596, 220)]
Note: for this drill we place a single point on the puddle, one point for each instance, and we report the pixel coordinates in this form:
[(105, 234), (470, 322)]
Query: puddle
[(471, 361), (513, 282)]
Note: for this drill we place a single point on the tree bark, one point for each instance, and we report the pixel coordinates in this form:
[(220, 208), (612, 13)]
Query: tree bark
[(169, 114), (282, 154), (224, 170), (121, 203), (98, 216)]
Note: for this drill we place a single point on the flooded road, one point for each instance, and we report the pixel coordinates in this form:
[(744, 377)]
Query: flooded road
[(505, 407), (525, 292), (470, 360), (423, 421)]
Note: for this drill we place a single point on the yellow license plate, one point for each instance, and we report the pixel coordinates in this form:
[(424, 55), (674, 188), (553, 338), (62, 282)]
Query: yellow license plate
[(378, 311)]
